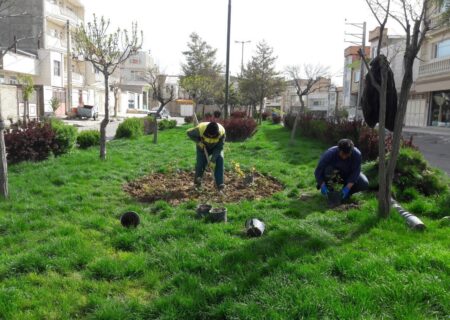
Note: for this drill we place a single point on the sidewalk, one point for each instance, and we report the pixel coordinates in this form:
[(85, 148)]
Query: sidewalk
[(434, 143), (428, 130)]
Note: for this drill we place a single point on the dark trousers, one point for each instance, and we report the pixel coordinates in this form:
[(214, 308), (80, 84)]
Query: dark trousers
[(361, 184), (202, 162)]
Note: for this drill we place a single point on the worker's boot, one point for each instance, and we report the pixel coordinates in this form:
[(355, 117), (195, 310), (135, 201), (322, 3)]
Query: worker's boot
[(221, 187)]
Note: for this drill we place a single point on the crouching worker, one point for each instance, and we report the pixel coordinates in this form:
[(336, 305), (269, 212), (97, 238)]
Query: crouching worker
[(210, 139), (341, 163)]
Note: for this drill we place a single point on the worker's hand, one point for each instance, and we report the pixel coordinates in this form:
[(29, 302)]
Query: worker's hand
[(345, 193), (324, 189), (201, 145)]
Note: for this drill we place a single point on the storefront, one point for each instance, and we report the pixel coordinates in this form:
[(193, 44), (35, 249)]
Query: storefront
[(440, 109)]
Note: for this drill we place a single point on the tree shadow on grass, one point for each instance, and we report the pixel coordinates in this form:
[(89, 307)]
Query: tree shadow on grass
[(242, 270), (301, 151)]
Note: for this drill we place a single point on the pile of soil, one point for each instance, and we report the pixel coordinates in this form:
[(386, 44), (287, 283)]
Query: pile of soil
[(178, 187)]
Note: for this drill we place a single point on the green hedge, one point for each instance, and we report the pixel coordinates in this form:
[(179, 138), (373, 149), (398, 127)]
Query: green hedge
[(413, 176), (166, 124), (88, 139), (131, 128), (65, 137)]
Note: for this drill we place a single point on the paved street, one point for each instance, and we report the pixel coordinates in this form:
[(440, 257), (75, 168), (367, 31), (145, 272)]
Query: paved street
[(434, 144)]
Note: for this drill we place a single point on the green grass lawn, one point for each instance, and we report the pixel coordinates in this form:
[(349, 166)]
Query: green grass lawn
[(64, 254)]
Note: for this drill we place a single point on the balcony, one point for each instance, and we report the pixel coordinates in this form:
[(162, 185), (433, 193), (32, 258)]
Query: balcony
[(77, 79), (435, 68), (55, 43), (60, 15)]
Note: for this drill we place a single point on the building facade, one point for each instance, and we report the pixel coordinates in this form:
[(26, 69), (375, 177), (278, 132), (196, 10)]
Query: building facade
[(352, 77), (433, 80)]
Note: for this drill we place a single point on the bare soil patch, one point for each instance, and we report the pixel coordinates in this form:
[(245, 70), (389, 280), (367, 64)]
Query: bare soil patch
[(178, 187)]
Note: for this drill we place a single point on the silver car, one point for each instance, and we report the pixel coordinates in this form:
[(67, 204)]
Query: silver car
[(164, 114)]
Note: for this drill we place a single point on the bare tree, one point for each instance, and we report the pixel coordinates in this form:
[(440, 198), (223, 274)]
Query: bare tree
[(415, 18), (161, 91), (305, 82), (106, 51)]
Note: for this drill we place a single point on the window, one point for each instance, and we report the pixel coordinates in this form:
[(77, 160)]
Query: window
[(374, 52), (57, 68), (442, 49), (357, 76), (445, 5)]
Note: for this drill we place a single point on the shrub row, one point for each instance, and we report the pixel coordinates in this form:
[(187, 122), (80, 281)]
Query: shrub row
[(412, 176), (88, 139), (133, 128), (237, 128), (330, 131), (36, 141)]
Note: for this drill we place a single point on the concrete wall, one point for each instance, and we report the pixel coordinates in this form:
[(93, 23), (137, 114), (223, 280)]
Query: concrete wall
[(20, 63), (8, 102)]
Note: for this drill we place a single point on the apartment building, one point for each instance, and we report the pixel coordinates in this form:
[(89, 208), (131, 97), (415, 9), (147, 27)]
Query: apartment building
[(133, 84), (44, 28), (322, 100), (351, 78), (393, 47), (433, 80)]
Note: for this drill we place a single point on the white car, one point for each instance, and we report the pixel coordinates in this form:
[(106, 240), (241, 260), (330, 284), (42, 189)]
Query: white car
[(164, 114)]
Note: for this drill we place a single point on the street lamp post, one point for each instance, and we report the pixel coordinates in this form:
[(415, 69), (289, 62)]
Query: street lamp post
[(227, 73), (243, 43)]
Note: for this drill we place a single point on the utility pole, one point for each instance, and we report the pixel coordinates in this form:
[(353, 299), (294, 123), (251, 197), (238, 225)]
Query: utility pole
[(243, 43), (69, 71), (361, 36), (227, 73)]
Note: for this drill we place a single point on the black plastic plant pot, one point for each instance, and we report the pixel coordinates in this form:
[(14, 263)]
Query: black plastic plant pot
[(218, 215), (334, 199), (130, 219), (254, 227), (203, 210)]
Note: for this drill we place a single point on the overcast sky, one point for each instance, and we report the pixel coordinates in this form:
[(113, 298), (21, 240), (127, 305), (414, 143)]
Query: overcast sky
[(300, 31)]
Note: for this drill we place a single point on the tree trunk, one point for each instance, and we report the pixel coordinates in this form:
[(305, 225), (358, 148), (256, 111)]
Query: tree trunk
[(401, 112), (384, 192), (116, 102), (261, 103), (3, 163), (195, 114), (25, 102), (155, 132), (297, 118), (105, 120)]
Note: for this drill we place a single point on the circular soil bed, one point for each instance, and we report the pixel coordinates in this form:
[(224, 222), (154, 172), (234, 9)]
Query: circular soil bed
[(178, 187)]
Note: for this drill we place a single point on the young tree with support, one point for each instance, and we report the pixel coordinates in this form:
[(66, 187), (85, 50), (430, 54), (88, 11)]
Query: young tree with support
[(415, 20), (106, 51), (161, 91), (305, 81)]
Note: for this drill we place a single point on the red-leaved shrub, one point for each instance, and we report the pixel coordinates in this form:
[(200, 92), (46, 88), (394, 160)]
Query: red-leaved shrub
[(238, 114), (276, 119), (265, 115), (31, 142), (239, 129), (331, 131)]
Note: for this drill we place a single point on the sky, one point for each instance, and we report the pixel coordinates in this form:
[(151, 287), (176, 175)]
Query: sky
[(300, 31)]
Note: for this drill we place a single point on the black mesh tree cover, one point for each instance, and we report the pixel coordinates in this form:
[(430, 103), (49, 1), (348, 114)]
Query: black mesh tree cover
[(370, 100)]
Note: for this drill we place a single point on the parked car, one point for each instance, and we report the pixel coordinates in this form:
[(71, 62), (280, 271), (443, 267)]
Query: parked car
[(164, 114)]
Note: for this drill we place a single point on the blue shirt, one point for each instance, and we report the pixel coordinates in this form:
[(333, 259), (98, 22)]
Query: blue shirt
[(349, 169)]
